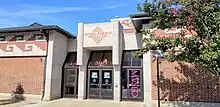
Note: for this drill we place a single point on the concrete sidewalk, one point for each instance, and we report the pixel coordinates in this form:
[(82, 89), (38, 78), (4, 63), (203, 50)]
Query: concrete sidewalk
[(19, 104), (5, 101), (85, 103)]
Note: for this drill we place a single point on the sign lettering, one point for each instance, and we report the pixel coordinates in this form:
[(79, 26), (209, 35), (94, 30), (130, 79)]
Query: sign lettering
[(101, 63), (134, 83)]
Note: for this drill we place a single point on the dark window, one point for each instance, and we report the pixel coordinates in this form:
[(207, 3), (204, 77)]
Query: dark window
[(99, 58), (19, 38), (136, 61), (129, 59), (71, 59), (2, 38), (107, 56), (39, 36), (95, 56)]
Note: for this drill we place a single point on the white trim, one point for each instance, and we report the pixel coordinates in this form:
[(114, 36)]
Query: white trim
[(117, 19), (41, 40), (141, 18), (20, 40), (3, 41)]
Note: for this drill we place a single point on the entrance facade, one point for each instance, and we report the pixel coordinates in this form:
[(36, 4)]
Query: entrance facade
[(103, 57), (100, 75), (100, 83)]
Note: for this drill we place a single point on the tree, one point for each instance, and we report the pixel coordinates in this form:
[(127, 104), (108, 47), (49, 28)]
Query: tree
[(199, 18)]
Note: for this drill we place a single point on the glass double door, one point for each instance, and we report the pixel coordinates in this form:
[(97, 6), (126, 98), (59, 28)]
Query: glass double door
[(100, 85), (70, 83)]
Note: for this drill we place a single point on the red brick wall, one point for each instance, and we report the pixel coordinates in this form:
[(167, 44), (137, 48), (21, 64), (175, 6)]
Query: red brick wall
[(185, 82), (28, 71)]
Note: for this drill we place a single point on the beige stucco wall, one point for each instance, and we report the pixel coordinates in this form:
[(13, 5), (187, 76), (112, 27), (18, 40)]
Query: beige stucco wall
[(128, 40), (72, 44), (59, 55), (132, 41), (57, 51), (92, 32), (82, 59)]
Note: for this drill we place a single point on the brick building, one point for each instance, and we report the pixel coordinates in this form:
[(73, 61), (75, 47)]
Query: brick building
[(98, 63)]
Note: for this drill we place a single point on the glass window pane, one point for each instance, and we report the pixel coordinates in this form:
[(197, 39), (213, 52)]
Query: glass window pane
[(103, 58), (2, 38), (94, 77), (95, 58), (71, 61), (124, 83), (134, 83), (136, 61), (127, 58), (107, 77), (107, 58)]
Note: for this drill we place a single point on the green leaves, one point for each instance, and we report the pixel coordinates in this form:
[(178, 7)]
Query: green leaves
[(199, 16)]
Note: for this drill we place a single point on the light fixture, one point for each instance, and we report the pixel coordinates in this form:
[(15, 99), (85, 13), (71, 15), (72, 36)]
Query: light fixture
[(158, 53)]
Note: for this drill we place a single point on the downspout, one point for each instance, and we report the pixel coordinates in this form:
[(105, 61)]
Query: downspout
[(46, 34)]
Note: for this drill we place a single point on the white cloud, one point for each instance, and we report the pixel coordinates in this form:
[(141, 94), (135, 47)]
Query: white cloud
[(114, 5), (25, 10), (23, 14), (26, 14), (36, 10)]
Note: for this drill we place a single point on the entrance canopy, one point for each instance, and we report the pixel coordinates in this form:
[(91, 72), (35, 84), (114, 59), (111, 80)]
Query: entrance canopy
[(100, 58)]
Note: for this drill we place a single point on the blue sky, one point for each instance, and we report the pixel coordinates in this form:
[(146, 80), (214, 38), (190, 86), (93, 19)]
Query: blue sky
[(64, 13)]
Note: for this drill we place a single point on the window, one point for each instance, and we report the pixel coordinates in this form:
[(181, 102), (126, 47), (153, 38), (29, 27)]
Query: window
[(2, 38), (127, 58), (108, 56), (95, 56), (99, 58), (39, 36), (19, 38), (71, 59), (130, 60)]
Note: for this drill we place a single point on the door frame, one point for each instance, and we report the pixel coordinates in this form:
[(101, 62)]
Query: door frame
[(76, 70), (128, 98), (100, 81)]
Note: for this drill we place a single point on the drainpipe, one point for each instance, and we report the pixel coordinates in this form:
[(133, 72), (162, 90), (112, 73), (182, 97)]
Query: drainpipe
[(46, 34)]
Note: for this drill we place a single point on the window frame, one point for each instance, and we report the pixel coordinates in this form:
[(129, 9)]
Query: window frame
[(70, 60), (22, 38), (132, 58), (103, 53), (36, 37), (4, 38)]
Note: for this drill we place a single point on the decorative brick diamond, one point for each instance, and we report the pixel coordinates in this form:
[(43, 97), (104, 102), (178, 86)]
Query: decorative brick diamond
[(97, 35)]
